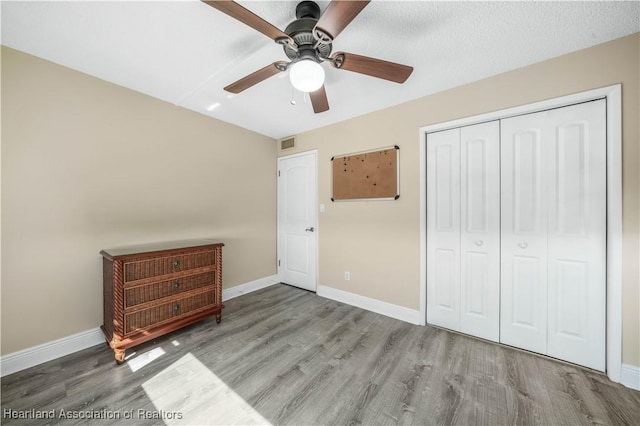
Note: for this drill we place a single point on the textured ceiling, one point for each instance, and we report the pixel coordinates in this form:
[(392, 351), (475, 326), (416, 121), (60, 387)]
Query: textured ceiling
[(185, 52)]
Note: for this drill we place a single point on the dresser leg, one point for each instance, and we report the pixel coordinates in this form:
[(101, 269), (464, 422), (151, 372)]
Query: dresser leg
[(218, 317), (119, 354)]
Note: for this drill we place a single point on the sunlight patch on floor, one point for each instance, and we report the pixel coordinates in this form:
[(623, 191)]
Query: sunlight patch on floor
[(136, 363), (190, 388)]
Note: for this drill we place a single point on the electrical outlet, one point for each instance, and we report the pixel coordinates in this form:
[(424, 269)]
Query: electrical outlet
[(347, 276)]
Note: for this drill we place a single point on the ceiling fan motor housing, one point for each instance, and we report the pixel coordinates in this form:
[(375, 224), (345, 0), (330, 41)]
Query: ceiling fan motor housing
[(308, 9), (301, 31)]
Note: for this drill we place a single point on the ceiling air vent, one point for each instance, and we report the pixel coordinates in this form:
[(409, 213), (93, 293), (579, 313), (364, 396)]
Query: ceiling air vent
[(288, 143)]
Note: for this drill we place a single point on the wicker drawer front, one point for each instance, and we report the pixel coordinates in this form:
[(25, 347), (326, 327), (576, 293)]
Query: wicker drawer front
[(141, 269), (159, 290), (157, 315)]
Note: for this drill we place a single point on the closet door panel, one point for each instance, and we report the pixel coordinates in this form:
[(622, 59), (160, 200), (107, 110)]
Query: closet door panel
[(480, 230), (443, 229), (523, 319), (577, 234)]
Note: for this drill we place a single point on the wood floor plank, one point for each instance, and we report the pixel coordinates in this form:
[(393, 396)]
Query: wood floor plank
[(285, 356)]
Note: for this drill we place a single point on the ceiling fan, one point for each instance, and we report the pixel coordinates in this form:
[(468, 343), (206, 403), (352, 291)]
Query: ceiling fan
[(307, 42)]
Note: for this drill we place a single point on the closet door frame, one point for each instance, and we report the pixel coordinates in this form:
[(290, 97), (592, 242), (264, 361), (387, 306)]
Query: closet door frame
[(613, 96)]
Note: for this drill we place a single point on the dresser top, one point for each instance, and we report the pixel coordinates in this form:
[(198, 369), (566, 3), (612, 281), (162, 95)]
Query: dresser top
[(161, 246)]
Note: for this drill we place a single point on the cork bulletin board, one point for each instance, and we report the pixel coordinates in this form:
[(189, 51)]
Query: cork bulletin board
[(370, 175)]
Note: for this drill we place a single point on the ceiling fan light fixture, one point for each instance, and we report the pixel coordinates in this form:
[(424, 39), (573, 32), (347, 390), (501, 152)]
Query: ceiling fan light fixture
[(306, 75)]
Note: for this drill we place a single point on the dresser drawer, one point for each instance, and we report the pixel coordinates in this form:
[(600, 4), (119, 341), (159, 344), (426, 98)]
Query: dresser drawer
[(148, 268), (135, 296), (167, 312)]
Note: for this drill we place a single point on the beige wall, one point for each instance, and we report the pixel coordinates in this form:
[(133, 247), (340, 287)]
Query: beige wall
[(378, 242), (88, 165)]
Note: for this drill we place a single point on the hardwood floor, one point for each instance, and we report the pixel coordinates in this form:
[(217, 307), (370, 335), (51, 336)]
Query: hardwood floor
[(286, 356)]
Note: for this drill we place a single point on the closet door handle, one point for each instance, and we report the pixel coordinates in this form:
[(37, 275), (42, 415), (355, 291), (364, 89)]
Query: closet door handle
[(479, 243), (523, 245)]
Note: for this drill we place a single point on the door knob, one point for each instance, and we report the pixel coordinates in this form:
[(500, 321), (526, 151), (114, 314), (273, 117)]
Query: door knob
[(312, 229), (523, 245), (479, 243)]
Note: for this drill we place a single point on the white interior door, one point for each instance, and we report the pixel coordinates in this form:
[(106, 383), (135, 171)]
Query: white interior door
[(443, 229), (463, 229), (297, 220), (480, 230), (554, 233), (523, 320), (577, 234)]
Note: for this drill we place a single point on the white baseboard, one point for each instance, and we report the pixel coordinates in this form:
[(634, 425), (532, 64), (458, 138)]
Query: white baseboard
[(29, 357), (17, 361), (394, 311), (630, 376), (239, 290)]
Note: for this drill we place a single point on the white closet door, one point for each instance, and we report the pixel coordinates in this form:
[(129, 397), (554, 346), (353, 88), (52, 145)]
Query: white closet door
[(554, 233), (577, 233), (443, 229), (523, 319), (480, 230)]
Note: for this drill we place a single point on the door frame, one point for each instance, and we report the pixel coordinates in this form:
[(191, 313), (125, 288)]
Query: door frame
[(314, 196), (613, 95)]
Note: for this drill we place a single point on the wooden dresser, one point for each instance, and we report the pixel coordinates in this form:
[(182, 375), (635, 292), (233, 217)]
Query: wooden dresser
[(154, 289)]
